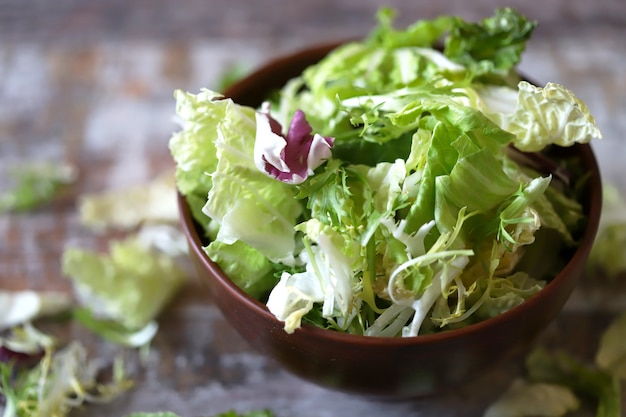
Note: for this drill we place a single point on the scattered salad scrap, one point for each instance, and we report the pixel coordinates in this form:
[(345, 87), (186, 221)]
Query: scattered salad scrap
[(557, 383), (381, 191), (130, 207), (608, 251), (121, 292), (60, 380), (42, 377), (120, 297), (36, 184)]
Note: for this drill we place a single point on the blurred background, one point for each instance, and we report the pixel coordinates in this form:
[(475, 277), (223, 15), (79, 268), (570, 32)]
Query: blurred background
[(90, 83)]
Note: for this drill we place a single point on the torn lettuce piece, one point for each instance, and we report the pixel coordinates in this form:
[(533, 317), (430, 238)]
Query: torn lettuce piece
[(328, 279), (245, 203), (542, 116), (129, 207), (523, 399), (33, 185), (130, 285), (63, 380), (291, 157), (491, 47), (420, 281), (609, 249), (244, 265), (19, 307), (560, 368), (115, 332), (193, 147), (490, 297), (611, 354)]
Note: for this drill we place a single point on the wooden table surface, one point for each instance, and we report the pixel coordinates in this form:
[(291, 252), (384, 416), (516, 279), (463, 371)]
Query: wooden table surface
[(91, 83)]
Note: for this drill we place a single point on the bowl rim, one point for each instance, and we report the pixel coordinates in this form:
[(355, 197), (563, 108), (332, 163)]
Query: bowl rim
[(588, 160)]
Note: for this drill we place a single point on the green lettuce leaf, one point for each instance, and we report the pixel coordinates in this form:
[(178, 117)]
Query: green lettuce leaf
[(130, 285), (609, 249), (492, 46), (193, 147), (560, 368), (129, 207), (33, 185), (62, 381), (611, 354), (541, 116), (523, 399), (247, 267)]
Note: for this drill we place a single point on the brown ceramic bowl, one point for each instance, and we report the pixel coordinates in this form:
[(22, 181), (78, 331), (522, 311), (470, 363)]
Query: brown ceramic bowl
[(376, 366)]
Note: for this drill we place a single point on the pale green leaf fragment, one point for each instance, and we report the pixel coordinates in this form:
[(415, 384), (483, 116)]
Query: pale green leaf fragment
[(609, 249), (611, 354), (131, 284), (129, 207), (33, 185), (63, 380), (533, 400), (542, 116)]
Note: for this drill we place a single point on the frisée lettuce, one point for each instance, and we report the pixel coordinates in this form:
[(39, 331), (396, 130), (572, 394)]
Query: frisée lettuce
[(379, 192)]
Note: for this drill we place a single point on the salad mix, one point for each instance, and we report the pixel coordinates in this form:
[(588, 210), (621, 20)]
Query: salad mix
[(381, 192)]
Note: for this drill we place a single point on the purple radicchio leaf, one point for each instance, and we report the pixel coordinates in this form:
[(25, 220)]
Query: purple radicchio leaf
[(289, 158)]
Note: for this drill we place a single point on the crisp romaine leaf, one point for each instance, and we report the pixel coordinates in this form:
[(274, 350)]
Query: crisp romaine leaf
[(247, 267), (523, 399), (131, 284), (543, 116), (247, 204), (193, 147)]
